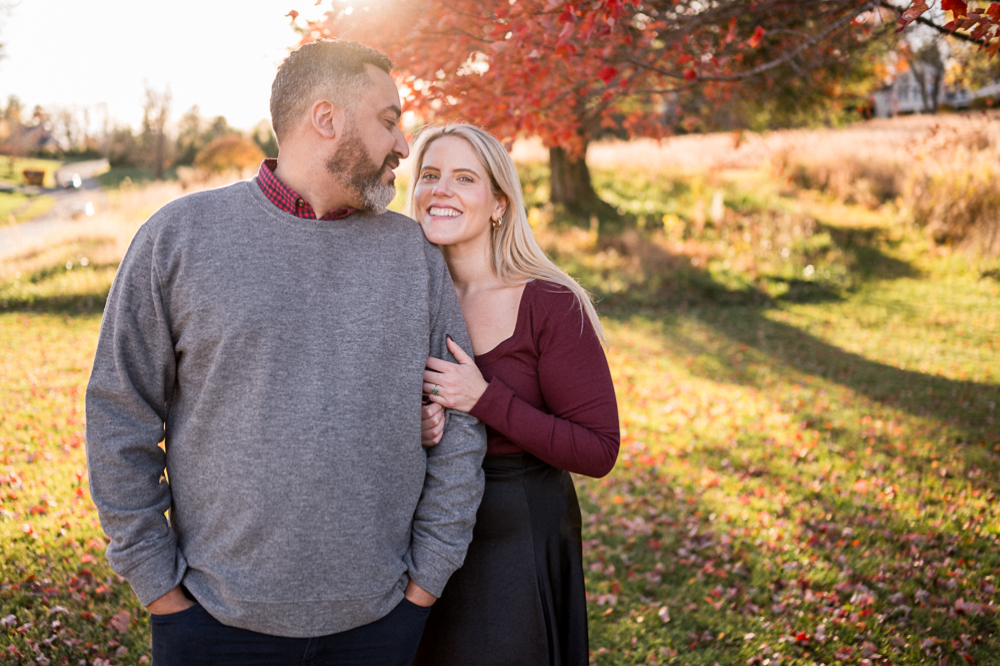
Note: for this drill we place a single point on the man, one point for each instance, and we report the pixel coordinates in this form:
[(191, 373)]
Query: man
[(273, 335)]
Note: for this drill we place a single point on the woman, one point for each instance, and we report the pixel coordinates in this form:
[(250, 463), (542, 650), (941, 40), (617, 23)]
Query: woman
[(540, 382)]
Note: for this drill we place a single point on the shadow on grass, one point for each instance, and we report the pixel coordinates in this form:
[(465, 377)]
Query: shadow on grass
[(918, 393), (740, 315), (865, 258), (53, 290), (73, 304)]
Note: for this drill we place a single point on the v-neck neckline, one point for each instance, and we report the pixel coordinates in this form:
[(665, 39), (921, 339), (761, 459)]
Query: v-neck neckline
[(503, 346)]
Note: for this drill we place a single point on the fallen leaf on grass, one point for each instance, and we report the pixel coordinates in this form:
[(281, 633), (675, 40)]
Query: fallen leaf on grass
[(664, 614), (120, 622)]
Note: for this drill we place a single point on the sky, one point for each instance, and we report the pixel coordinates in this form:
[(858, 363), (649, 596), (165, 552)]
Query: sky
[(218, 54)]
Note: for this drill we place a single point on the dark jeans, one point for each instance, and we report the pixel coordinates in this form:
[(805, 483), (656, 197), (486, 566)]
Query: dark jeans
[(195, 638)]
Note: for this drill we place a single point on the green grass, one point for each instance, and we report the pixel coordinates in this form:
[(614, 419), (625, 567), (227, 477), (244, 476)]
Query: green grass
[(115, 176), (17, 207), (12, 168), (809, 467)]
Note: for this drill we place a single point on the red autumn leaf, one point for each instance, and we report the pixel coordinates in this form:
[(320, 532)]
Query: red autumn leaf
[(607, 73), (755, 40), (120, 622), (912, 14), (960, 7), (981, 31), (293, 14), (994, 12), (731, 33), (690, 75)]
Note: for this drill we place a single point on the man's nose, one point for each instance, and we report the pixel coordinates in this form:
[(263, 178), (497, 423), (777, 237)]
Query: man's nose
[(401, 148)]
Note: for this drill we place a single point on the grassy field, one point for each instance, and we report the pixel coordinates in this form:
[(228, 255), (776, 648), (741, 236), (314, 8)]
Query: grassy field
[(17, 207), (808, 391), (113, 178)]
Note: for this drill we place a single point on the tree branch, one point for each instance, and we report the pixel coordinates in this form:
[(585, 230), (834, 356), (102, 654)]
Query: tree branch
[(930, 24), (760, 69)]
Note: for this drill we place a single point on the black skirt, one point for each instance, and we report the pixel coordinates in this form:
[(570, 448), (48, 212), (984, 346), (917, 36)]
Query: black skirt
[(519, 599)]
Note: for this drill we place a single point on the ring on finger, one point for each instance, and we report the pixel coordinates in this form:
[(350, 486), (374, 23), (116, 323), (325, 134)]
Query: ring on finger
[(435, 391)]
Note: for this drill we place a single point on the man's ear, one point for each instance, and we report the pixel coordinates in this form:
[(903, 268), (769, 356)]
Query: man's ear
[(327, 119)]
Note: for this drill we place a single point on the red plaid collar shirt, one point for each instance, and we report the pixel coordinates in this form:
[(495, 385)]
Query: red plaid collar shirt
[(288, 199)]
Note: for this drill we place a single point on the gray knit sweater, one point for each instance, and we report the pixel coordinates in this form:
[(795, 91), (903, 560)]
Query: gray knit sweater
[(280, 361)]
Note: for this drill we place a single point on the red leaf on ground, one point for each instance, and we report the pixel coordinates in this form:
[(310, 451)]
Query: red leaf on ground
[(120, 622)]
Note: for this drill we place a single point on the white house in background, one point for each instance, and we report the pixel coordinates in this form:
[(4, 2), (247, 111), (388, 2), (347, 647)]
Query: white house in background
[(903, 96)]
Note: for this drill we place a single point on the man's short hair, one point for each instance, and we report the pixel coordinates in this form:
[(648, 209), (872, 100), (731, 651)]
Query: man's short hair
[(331, 67)]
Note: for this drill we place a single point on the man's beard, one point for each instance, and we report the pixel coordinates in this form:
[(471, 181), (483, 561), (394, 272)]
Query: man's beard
[(352, 165)]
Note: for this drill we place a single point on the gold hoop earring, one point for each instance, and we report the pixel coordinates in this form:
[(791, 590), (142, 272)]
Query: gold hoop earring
[(496, 223)]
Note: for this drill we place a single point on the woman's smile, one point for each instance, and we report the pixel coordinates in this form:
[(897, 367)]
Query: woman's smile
[(438, 211)]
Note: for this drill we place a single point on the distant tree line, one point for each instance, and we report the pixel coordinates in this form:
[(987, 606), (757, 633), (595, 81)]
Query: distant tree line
[(76, 133)]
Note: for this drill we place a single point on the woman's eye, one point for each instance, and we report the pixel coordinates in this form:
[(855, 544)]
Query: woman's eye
[(465, 179), (428, 176)]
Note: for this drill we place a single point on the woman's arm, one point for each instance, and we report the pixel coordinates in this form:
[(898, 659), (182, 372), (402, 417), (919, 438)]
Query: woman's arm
[(581, 433)]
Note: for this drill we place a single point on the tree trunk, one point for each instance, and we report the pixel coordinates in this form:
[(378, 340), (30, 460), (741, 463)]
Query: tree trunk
[(571, 184), (936, 89), (572, 188)]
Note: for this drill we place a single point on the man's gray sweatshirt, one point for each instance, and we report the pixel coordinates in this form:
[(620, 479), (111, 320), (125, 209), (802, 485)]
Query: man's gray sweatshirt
[(280, 362)]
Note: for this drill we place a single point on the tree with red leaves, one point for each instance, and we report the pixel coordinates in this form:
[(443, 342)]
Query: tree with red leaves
[(569, 70)]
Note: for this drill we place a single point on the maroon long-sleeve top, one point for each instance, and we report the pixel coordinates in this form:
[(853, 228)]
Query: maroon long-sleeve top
[(550, 392)]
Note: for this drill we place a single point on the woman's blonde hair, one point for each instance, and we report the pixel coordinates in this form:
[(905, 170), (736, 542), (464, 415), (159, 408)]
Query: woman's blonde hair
[(515, 254)]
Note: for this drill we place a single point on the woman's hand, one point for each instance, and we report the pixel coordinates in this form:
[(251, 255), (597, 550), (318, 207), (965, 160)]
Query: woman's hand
[(431, 424), (454, 385)]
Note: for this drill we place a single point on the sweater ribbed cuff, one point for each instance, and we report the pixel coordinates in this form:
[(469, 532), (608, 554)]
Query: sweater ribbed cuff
[(156, 575), (428, 569)]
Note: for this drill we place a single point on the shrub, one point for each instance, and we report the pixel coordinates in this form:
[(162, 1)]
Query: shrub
[(943, 170), (955, 196), (233, 152), (862, 168)]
